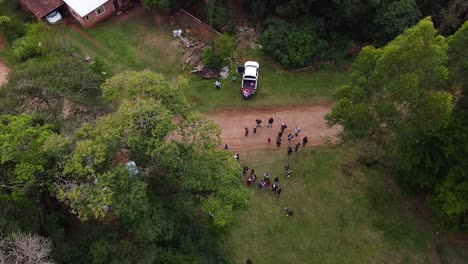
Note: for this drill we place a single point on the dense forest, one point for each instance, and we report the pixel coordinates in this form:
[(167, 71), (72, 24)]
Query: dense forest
[(67, 131)]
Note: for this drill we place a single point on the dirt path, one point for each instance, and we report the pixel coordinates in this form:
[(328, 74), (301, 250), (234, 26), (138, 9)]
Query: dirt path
[(4, 70), (309, 118)]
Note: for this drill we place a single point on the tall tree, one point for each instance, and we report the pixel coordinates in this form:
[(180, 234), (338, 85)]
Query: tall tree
[(393, 93)]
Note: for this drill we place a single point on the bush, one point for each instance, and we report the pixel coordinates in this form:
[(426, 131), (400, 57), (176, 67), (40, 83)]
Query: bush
[(37, 41), (294, 45), (224, 48), (165, 5), (211, 60), (13, 30), (24, 49)]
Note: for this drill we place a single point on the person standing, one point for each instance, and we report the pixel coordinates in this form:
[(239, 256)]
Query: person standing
[(278, 142), (290, 136), (249, 181), (297, 131), (274, 187), (211, 216), (289, 150), (289, 211), (276, 180), (270, 122), (260, 184), (289, 172), (226, 147), (280, 134), (234, 78), (218, 85), (304, 141), (246, 132), (254, 178), (269, 140), (236, 156), (278, 192), (297, 146), (255, 130), (252, 172), (266, 176)]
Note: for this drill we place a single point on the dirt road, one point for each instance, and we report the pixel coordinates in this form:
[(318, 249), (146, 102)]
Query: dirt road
[(308, 118)]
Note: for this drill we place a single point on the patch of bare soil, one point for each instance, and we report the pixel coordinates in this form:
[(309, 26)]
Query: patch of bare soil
[(136, 10), (4, 70), (309, 118)]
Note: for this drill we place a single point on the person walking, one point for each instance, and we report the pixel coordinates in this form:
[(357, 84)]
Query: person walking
[(234, 78), (280, 134), (278, 192), (289, 150), (269, 140), (298, 144), (246, 132), (290, 136), (218, 85), (289, 172), (304, 141), (283, 127), (270, 122), (278, 142), (226, 147), (254, 178), (255, 130), (259, 122), (297, 131), (236, 156), (252, 172)]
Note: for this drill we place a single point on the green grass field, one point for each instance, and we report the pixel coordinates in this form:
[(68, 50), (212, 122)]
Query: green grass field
[(337, 218), (276, 88), (135, 44)]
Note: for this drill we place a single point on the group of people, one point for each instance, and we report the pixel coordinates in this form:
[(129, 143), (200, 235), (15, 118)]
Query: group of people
[(265, 182), (289, 149)]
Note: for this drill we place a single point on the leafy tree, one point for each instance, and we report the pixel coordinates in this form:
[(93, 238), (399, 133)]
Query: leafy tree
[(390, 106), (294, 46), (450, 198), (224, 49), (132, 85), (396, 16), (23, 160), (41, 86), (165, 5)]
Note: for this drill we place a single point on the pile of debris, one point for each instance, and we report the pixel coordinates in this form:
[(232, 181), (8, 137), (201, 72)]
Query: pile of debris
[(194, 44)]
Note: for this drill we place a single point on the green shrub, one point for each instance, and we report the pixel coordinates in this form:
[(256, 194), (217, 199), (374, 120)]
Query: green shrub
[(38, 41), (24, 49), (13, 30), (211, 60)]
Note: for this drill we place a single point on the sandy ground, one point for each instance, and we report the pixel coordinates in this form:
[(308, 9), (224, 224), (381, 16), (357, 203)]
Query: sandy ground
[(4, 70), (309, 118)]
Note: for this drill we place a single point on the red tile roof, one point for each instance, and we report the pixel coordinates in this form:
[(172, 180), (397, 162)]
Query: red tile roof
[(40, 8)]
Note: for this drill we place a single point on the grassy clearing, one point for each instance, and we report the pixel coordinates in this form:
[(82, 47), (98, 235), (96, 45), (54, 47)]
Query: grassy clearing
[(135, 44), (276, 88), (338, 218)]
